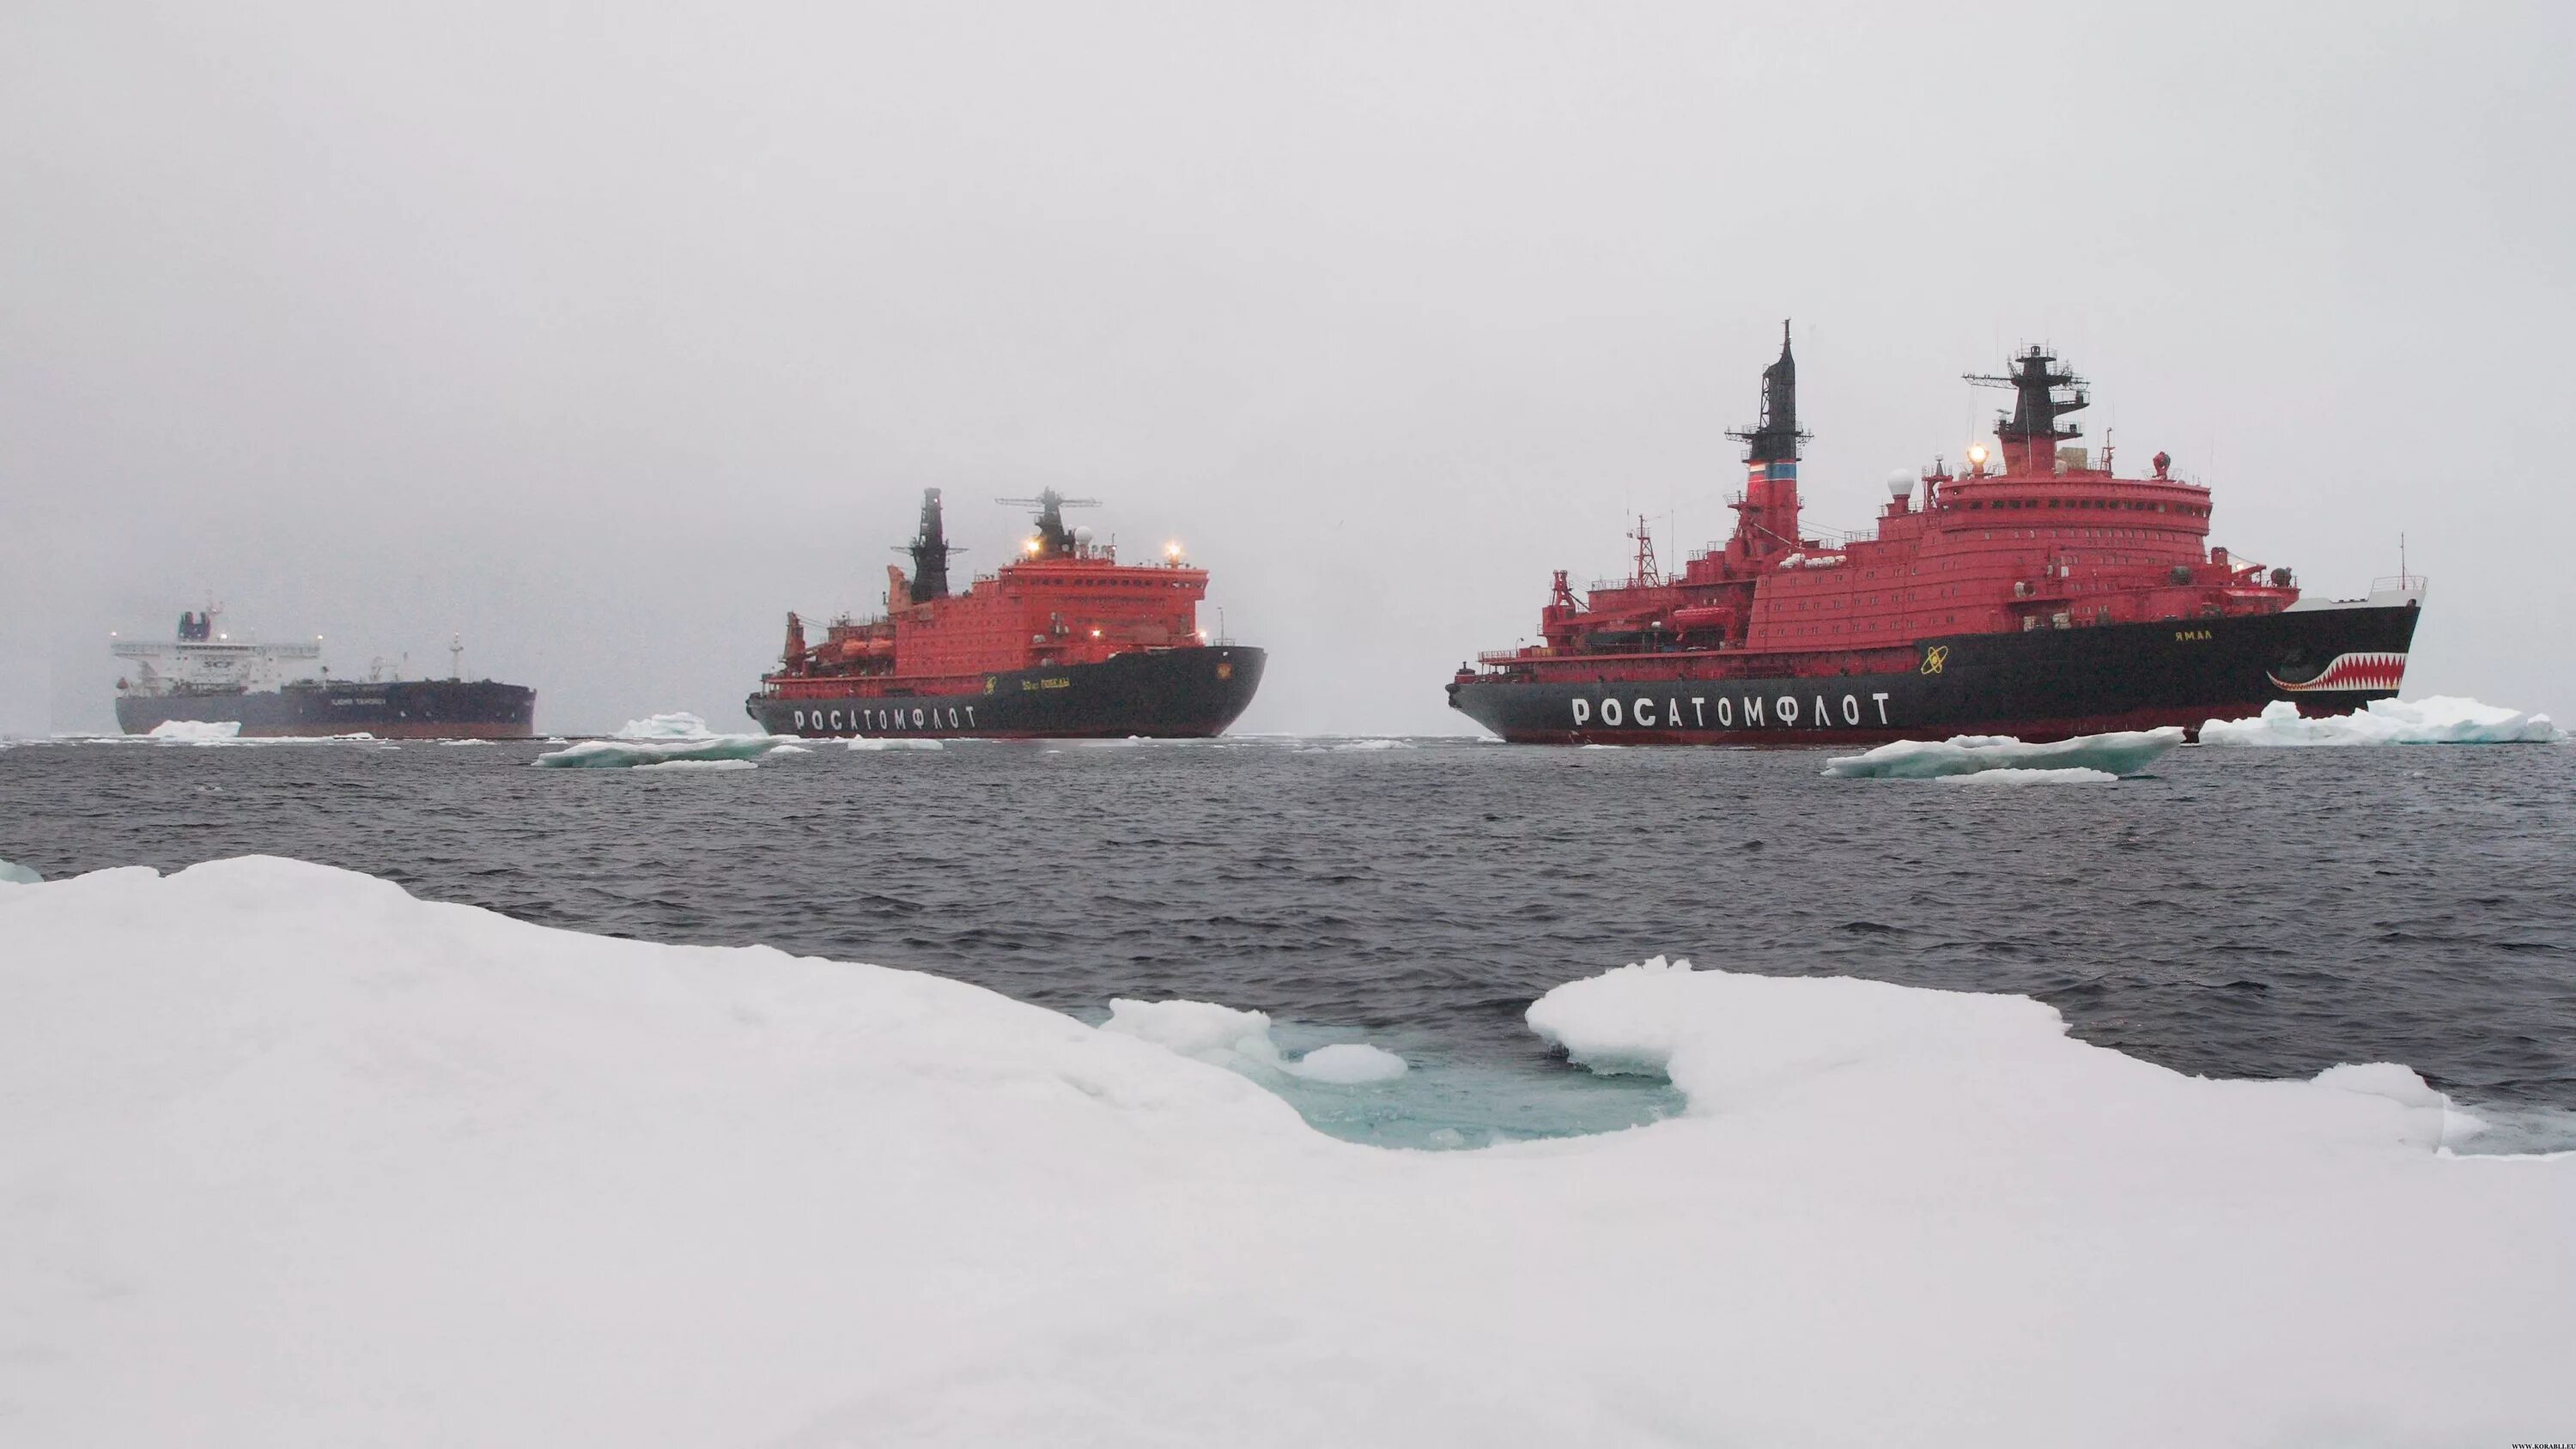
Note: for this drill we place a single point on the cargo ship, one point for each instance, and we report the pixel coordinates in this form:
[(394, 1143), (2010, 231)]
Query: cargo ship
[(204, 675), (2033, 592), (1063, 641)]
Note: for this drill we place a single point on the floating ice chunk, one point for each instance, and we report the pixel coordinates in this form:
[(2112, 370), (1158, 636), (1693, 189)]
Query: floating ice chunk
[(1349, 1064), (633, 754), (2435, 720), (465, 742), (2125, 752), (12, 873), (677, 725), (196, 731), (789, 750), (698, 765), (2071, 775), (868, 744)]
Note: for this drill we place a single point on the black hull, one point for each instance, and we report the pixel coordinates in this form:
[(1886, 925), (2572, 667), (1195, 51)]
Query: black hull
[(1161, 694), (444, 709), (2041, 685)]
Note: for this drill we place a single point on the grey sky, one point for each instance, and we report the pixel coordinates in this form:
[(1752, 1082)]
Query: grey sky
[(607, 334)]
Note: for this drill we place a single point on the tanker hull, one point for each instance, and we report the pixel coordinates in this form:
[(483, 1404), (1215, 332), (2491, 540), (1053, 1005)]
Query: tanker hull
[(442, 709), (1185, 693), (2042, 684)]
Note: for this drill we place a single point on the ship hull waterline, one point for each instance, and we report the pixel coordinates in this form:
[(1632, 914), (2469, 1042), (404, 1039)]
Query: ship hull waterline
[(431, 709), (1190, 693), (2044, 684)]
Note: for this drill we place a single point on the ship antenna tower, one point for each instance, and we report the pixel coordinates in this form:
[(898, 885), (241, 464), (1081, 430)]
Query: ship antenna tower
[(1647, 574), (1053, 540), (455, 657)]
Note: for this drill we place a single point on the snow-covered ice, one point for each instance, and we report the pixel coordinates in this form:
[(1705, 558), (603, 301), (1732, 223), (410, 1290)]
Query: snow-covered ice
[(195, 731), (2435, 720), (287, 1156), (2123, 752), (868, 744), (718, 766)]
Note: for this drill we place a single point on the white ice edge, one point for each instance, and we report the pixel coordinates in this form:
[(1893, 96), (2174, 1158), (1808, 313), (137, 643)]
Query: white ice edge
[(294, 1157), (1240, 1041)]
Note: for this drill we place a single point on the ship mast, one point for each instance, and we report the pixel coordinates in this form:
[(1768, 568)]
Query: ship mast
[(930, 550), (1647, 574), (2030, 434), (1766, 520)]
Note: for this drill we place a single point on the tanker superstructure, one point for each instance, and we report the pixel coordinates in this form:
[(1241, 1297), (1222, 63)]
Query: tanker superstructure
[(204, 675), (2031, 594), (1064, 641)]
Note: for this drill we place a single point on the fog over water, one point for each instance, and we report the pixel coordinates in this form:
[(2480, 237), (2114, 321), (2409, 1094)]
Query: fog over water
[(603, 335)]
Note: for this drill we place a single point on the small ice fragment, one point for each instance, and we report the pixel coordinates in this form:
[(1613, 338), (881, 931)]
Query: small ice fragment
[(1348, 1064), (634, 754), (2123, 752), (2073, 775), (12, 873)]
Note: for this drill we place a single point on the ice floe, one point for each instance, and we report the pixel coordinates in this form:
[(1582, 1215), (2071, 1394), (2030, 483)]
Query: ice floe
[(2123, 752), (195, 731), (868, 745), (218, 733), (12, 873), (715, 765), (293, 1157), (2434, 720), (662, 739)]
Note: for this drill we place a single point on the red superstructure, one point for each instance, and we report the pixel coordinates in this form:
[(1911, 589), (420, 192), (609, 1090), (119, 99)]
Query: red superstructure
[(2046, 540), (1066, 600), (1065, 640)]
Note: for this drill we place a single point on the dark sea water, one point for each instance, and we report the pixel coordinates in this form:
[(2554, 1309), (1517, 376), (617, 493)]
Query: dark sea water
[(2241, 913)]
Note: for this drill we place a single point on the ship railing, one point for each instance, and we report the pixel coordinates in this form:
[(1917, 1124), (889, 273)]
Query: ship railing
[(2394, 583)]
